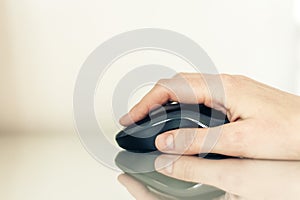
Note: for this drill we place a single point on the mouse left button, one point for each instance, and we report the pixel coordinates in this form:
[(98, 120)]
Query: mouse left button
[(164, 109)]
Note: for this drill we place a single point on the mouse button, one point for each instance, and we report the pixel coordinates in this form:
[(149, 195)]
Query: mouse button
[(172, 107), (143, 125), (218, 122), (136, 128), (188, 123), (141, 122), (157, 111), (143, 131), (211, 121), (162, 110), (204, 109), (149, 131), (196, 117), (179, 123), (190, 114), (174, 114), (212, 112)]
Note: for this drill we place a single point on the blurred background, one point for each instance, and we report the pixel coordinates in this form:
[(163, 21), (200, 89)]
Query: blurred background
[(43, 44)]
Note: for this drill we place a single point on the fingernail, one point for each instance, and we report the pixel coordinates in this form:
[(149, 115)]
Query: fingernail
[(125, 119), (165, 142), (164, 164), (121, 178)]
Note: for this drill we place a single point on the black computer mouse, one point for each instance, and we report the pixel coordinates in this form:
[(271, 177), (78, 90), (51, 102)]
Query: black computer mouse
[(140, 137)]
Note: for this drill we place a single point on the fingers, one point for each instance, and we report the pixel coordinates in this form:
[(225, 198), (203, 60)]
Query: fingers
[(227, 174), (135, 188), (158, 95), (183, 88), (230, 139), (248, 138), (198, 170), (248, 178)]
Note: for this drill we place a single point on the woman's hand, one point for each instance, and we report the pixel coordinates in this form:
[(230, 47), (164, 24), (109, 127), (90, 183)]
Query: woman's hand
[(265, 121)]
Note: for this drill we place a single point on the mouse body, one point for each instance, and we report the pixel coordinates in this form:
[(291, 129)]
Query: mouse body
[(140, 136)]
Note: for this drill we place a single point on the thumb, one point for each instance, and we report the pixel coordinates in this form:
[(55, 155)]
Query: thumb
[(228, 139)]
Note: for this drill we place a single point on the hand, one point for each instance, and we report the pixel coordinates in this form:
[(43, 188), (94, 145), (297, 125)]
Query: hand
[(265, 121), (240, 178)]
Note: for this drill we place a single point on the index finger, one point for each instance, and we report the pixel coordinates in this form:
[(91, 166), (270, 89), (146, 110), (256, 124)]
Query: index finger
[(158, 95), (183, 88)]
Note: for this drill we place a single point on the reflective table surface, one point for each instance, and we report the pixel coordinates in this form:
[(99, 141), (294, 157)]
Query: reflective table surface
[(60, 168)]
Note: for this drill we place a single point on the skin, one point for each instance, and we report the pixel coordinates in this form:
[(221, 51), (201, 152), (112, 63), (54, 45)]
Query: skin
[(264, 121), (239, 178)]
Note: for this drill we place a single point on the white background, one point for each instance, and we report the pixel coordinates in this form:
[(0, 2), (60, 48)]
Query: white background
[(297, 18), (45, 42)]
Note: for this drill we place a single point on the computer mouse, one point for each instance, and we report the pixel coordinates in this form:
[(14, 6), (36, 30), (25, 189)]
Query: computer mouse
[(140, 136)]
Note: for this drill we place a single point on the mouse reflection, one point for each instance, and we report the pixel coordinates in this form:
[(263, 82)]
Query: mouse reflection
[(144, 182), (234, 178)]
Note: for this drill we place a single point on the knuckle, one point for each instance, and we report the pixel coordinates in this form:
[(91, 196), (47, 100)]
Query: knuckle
[(226, 77), (233, 82), (228, 80), (162, 82), (241, 77), (163, 85), (181, 75), (163, 90)]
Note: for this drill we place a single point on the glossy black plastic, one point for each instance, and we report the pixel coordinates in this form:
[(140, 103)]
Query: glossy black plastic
[(140, 137)]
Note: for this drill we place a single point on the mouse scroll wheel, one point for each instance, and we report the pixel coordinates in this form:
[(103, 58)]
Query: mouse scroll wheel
[(165, 109)]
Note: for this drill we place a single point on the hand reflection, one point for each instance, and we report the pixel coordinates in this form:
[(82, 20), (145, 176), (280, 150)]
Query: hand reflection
[(241, 179), (137, 189)]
